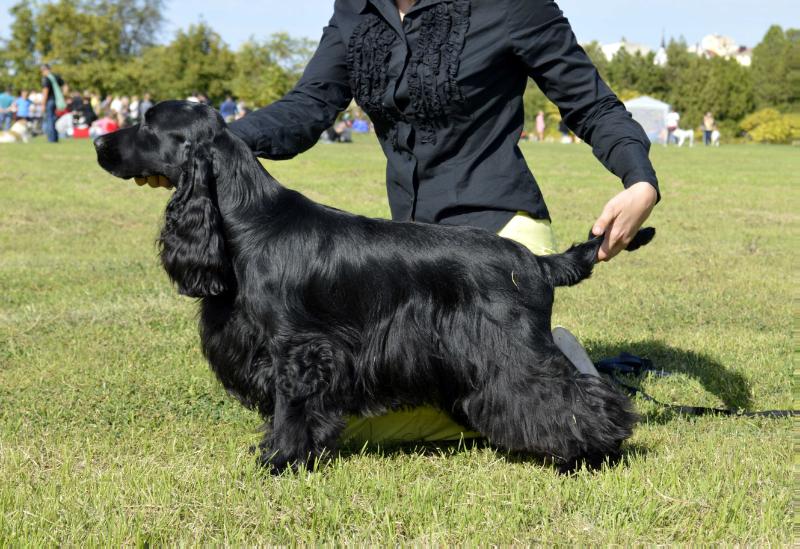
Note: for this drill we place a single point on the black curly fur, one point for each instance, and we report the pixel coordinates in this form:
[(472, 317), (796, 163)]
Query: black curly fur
[(309, 314)]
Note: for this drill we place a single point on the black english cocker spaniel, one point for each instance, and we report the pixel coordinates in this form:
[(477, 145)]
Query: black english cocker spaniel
[(310, 314)]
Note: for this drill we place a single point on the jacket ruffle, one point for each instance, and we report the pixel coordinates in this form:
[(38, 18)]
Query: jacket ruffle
[(368, 54), (432, 70), (433, 67)]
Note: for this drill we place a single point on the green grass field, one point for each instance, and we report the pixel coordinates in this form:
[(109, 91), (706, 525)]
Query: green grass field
[(113, 430)]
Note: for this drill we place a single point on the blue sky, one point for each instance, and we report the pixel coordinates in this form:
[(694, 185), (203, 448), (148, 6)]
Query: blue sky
[(604, 20)]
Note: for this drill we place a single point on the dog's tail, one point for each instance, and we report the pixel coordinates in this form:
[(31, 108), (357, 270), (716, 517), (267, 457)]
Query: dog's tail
[(576, 264)]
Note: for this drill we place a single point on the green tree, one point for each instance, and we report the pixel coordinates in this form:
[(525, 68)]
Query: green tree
[(793, 68), (770, 66), (89, 42), (69, 36), (728, 89), (82, 46), (636, 72), (265, 72), (18, 52), (770, 126), (197, 60), (139, 22)]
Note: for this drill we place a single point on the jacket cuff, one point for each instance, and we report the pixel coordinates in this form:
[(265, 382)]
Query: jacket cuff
[(640, 175), (635, 166)]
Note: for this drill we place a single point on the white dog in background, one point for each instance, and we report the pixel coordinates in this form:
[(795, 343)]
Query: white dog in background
[(683, 135), (715, 138), (18, 133)]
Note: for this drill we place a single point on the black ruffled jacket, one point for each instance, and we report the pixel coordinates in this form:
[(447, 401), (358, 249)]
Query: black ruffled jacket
[(444, 91)]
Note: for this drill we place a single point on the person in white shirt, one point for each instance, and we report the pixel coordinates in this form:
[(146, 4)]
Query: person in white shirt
[(673, 119)]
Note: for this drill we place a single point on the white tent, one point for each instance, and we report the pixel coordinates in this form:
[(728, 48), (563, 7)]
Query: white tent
[(651, 114)]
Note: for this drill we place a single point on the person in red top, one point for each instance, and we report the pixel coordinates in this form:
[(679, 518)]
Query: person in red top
[(105, 124)]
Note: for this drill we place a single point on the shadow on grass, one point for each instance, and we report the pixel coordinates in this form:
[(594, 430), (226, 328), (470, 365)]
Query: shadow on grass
[(731, 387), (629, 453)]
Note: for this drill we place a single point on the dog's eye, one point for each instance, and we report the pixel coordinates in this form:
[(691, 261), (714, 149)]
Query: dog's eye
[(177, 138)]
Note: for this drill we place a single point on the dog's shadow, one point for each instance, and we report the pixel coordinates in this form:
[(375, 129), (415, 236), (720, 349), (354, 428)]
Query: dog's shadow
[(731, 387), (628, 453)]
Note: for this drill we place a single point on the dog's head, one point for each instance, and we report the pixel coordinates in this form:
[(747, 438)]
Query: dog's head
[(182, 141)]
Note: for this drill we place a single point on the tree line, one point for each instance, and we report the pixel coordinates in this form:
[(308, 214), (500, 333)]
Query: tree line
[(108, 47), (739, 97)]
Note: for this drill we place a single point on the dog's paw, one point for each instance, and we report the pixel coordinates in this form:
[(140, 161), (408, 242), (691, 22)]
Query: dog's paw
[(274, 463)]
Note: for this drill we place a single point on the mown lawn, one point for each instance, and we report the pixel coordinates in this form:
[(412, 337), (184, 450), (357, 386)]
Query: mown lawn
[(113, 431)]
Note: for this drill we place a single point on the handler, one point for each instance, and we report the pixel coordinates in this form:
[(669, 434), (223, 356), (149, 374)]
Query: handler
[(442, 82)]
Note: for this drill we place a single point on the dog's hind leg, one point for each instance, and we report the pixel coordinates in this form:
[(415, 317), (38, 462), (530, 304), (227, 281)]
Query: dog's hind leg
[(552, 411), (306, 424)]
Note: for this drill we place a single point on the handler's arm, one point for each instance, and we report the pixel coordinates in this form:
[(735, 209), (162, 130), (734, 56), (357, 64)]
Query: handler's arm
[(293, 124), (543, 40)]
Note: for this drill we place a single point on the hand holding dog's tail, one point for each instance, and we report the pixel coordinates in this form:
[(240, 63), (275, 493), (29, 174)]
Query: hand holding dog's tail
[(576, 263), (622, 216)]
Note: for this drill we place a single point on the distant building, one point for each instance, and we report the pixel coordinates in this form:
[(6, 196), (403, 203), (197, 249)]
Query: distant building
[(712, 45), (744, 56), (717, 45), (610, 50), (661, 55)]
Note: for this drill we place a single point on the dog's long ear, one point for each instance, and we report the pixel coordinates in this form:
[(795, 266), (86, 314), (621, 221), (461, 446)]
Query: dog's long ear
[(192, 242)]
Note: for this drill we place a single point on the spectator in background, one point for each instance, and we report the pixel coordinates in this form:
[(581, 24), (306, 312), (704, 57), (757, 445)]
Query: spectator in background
[(123, 117), (709, 125), (241, 109), (52, 101), (75, 102), (360, 125), (540, 126), (228, 109), (22, 106), (144, 105), (104, 125), (133, 110), (115, 105), (36, 111), (6, 113), (66, 94), (95, 101), (65, 125), (338, 133), (673, 120), (84, 115)]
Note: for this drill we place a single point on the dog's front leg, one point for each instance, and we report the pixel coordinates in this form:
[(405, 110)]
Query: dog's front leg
[(286, 444), (305, 425)]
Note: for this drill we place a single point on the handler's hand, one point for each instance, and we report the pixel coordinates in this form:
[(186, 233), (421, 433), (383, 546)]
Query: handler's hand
[(622, 217), (153, 181)]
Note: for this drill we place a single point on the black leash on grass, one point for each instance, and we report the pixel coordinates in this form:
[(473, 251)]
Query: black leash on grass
[(629, 364)]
